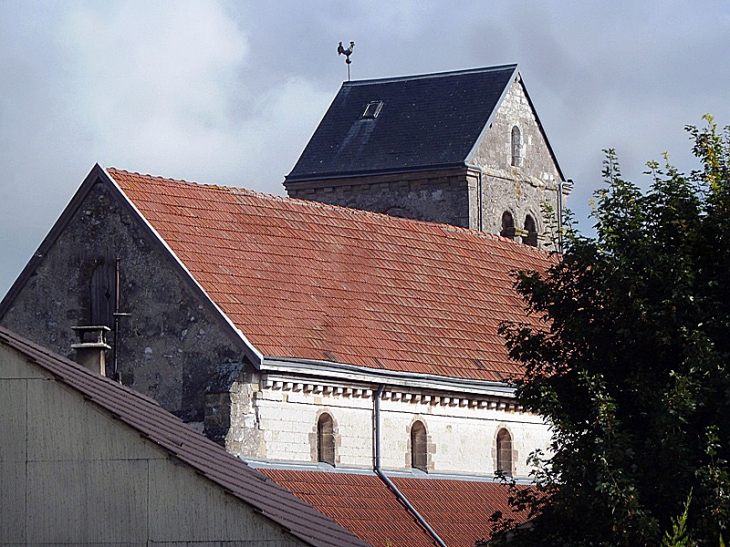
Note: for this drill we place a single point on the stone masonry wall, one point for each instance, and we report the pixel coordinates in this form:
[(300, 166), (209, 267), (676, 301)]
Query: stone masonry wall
[(436, 197), (462, 437), (169, 347), (521, 190)]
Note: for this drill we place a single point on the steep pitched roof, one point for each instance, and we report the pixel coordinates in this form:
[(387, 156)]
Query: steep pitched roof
[(204, 456), (310, 281), (428, 121), (457, 510)]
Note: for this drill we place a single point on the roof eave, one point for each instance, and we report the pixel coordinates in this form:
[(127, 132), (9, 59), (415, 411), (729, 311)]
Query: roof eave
[(288, 179), (490, 119), (354, 373)]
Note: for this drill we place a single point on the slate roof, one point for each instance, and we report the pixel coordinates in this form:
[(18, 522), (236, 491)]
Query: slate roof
[(427, 121), (204, 456), (457, 510), (311, 281)]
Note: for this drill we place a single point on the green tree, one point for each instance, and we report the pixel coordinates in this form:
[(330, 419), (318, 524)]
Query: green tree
[(627, 356)]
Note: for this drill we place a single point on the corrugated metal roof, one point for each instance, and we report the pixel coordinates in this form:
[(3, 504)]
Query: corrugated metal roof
[(206, 457), (426, 121), (306, 280), (457, 510)]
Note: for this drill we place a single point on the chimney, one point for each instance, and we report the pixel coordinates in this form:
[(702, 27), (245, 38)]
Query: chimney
[(91, 347)]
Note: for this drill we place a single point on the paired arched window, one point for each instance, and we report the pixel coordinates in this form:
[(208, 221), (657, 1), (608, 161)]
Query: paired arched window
[(326, 439), (516, 147), (419, 447), (504, 452), (531, 229), (508, 225)]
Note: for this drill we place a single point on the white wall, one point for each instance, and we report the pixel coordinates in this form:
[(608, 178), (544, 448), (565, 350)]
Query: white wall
[(462, 432)]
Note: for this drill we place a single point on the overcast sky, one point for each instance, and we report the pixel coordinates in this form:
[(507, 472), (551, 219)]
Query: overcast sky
[(229, 92)]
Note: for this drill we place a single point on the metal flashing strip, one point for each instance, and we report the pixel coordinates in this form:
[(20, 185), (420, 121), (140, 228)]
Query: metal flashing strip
[(254, 355), (344, 372)]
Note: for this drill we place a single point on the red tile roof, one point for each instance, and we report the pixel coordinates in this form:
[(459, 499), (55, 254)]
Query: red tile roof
[(457, 510), (312, 281), (204, 456), (361, 503)]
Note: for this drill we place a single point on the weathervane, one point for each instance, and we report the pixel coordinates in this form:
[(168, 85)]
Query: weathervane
[(346, 52)]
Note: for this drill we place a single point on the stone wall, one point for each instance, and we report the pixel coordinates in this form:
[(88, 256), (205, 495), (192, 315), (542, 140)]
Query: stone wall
[(433, 196), (169, 347), (453, 196), (521, 189), (462, 430)]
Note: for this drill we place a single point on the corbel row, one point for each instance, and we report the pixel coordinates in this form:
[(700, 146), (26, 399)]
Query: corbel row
[(391, 395)]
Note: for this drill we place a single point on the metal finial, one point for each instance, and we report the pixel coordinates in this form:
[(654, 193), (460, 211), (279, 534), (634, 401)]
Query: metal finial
[(346, 52)]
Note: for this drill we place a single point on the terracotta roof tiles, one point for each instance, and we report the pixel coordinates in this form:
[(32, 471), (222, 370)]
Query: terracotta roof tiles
[(306, 280), (457, 510)]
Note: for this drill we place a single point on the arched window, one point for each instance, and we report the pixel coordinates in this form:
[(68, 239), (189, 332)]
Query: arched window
[(516, 147), (419, 454), (326, 439), (508, 225), (531, 229), (504, 452)]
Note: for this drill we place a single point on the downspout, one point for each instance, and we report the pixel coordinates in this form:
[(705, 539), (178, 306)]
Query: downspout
[(560, 215), (379, 472), (480, 221)]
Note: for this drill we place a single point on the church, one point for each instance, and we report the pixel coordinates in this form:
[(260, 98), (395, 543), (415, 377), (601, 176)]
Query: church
[(345, 333)]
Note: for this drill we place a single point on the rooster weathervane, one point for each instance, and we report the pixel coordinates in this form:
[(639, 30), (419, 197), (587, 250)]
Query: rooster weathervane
[(346, 52)]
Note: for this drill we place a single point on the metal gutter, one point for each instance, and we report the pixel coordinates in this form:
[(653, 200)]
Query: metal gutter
[(375, 173), (383, 476), (342, 371)]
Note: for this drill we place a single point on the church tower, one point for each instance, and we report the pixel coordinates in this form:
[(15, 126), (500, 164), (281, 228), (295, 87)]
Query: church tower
[(463, 148)]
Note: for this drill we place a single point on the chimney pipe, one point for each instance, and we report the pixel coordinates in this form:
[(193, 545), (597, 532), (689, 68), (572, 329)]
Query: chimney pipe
[(91, 347)]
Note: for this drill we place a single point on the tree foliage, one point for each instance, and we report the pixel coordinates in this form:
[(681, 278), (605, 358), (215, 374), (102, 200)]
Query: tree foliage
[(630, 364)]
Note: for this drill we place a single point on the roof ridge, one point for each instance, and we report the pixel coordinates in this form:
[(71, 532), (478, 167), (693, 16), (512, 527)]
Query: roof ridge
[(476, 70), (331, 207)]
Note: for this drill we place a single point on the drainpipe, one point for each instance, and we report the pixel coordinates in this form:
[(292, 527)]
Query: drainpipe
[(385, 479), (480, 221), (560, 215)]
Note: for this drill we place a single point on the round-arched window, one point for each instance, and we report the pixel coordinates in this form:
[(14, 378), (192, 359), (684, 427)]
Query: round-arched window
[(516, 147), (326, 439), (504, 452), (531, 229), (419, 454)]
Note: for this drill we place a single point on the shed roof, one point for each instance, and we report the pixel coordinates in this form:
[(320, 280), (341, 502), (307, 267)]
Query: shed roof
[(204, 456), (310, 281), (423, 122)]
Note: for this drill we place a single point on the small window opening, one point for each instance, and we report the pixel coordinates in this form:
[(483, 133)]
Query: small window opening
[(516, 147), (531, 237), (419, 454), (372, 110), (326, 439), (508, 225), (504, 452)]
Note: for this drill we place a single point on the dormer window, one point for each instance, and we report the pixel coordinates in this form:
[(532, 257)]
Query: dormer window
[(372, 110), (516, 147)]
